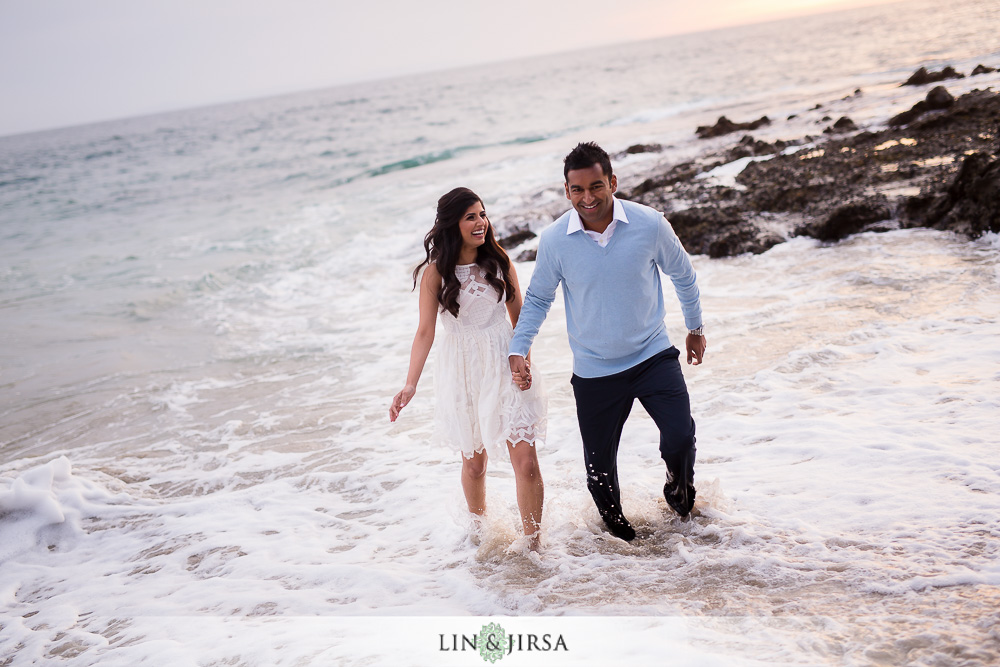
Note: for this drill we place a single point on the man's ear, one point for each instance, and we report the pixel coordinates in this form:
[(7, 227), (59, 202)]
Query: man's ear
[(614, 183), (566, 187)]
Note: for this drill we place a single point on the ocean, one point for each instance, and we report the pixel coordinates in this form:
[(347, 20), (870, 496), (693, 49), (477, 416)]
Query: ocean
[(206, 313)]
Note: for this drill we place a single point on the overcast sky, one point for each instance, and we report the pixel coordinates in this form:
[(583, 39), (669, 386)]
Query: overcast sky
[(66, 62)]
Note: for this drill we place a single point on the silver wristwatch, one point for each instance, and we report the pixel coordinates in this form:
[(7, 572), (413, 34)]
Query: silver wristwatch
[(700, 331)]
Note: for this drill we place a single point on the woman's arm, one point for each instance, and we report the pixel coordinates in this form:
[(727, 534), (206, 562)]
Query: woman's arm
[(514, 305), (521, 378), (422, 341)]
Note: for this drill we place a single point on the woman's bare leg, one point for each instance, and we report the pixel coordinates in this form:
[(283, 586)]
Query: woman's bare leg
[(474, 482), (530, 489)]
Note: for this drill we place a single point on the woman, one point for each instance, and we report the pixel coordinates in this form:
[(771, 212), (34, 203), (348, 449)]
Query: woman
[(480, 410)]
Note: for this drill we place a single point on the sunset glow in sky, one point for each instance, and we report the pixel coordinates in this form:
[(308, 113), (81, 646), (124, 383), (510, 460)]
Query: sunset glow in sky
[(68, 62)]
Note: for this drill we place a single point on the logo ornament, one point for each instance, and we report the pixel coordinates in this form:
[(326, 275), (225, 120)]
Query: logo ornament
[(493, 642)]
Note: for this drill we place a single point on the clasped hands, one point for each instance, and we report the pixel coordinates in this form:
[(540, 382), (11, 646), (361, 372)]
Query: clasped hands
[(520, 371)]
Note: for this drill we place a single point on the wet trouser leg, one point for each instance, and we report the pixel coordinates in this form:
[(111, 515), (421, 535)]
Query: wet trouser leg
[(603, 404), (662, 392)]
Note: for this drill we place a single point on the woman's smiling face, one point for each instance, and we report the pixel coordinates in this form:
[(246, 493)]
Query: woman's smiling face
[(473, 226)]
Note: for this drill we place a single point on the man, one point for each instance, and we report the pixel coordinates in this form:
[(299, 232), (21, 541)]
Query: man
[(608, 254)]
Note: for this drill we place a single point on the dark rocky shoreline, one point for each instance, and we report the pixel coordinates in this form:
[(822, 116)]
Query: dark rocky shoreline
[(936, 165)]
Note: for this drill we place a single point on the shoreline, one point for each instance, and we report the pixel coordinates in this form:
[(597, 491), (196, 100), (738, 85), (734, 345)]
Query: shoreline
[(935, 165)]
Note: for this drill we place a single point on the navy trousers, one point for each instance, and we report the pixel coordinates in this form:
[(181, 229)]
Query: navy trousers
[(604, 403)]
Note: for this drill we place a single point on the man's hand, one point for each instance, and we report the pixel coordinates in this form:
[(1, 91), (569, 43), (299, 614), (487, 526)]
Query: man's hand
[(696, 346), (520, 371)]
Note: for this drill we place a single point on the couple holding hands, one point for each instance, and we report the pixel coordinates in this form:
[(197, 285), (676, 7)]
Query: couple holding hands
[(607, 254)]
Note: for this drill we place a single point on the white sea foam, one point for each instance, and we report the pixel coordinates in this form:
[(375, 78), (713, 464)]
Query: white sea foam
[(846, 439), (725, 174)]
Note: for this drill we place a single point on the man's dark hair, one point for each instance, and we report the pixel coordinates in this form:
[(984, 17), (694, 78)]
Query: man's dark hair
[(585, 156)]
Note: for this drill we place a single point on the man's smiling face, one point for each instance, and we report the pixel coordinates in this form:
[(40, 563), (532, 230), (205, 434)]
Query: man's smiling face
[(590, 190)]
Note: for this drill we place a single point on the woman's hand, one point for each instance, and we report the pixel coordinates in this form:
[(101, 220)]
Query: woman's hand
[(400, 401)]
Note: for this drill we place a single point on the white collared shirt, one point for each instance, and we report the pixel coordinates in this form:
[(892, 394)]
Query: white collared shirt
[(602, 239)]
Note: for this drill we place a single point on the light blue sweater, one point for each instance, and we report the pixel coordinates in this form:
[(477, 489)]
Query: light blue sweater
[(613, 295)]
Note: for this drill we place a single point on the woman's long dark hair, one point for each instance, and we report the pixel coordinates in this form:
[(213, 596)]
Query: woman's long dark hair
[(443, 243)]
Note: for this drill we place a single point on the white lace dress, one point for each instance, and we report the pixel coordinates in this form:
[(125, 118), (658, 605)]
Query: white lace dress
[(477, 404)]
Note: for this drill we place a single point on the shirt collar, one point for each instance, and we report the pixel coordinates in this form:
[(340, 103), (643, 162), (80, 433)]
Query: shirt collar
[(576, 225)]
